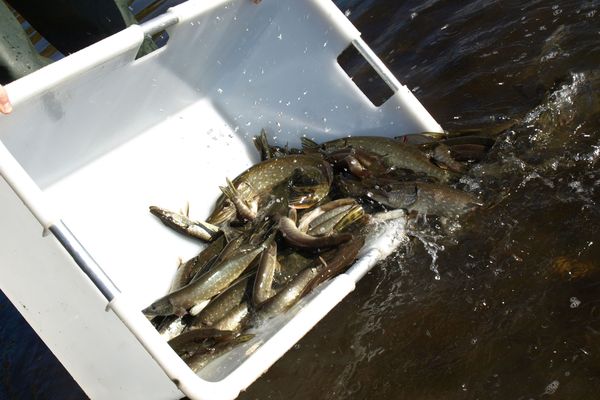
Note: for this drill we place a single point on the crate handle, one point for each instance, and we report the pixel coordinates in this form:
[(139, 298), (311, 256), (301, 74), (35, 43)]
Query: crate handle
[(378, 65), (159, 23), (84, 260), (37, 203)]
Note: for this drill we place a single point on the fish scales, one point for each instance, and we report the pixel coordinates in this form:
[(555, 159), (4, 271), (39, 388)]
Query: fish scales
[(395, 154)]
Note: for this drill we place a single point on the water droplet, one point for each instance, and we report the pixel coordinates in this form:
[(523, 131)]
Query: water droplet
[(219, 90), (574, 302), (347, 12), (280, 36)]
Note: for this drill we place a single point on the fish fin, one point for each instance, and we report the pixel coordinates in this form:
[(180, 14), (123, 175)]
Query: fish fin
[(353, 215), (293, 215), (323, 262), (309, 144), (186, 210), (229, 191), (262, 145)]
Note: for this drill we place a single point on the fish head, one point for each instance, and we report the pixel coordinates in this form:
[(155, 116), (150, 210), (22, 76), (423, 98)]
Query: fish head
[(161, 306)]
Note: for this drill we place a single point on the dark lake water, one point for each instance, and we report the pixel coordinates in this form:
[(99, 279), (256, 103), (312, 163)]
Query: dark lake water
[(504, 304)]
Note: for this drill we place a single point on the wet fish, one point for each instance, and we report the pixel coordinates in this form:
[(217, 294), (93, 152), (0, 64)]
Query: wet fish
[(202, 358), (395, 154), (233, 320), (291, 262), (220, 305), (338, 221), (267, 175), (191, 341), (297, 238), (441, 154), (289, 295), (263, 284), (213, 282), (246, 210), (358, 161), (428, 199), (268, 151), (183, 224), (197, 265), (170, 326), (311, 217), (344, 257)]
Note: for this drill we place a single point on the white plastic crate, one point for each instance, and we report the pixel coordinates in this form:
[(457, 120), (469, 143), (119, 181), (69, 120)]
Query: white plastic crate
[(97, 137)]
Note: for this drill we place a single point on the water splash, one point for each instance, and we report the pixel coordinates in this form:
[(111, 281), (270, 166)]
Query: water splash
[(432, 246)]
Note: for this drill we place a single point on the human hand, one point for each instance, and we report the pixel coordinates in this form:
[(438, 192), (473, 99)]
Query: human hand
[(5, 106)]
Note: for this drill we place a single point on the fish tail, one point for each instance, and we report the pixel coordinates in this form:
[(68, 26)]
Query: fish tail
[(262, 145)]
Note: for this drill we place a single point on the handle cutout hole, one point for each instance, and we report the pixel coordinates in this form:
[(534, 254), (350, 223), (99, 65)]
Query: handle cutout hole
[(364, 76), (152, 43)]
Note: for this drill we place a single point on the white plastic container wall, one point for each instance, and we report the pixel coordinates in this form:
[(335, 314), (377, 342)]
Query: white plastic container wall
[(97, 137)]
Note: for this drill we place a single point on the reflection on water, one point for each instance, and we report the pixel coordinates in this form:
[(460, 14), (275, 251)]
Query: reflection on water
[(515, 311)]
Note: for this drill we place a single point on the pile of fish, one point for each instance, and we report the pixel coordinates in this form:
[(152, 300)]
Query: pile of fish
[(289, 223)]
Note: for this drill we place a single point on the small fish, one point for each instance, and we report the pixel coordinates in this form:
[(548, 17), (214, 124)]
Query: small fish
[(291, 262), (170, 327), (262, 178), (395, 154), (198, 264), (182, 224), (428, 199), (295, 237), (202, 358), (213, 282), (441, 154), (234, 319), (220, 305), (263, 284), (189, 342), (246, 210), (344, 257), (311, 217), (289, 295), (338, 221)]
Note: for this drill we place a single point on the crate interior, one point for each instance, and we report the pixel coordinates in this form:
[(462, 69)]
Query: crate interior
[(167, 129)]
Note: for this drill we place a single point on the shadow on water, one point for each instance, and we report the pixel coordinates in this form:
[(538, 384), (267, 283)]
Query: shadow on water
[(514, 312), (27, 368)]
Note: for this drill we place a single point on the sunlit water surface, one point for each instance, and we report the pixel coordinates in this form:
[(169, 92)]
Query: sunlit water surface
[(503, 303)]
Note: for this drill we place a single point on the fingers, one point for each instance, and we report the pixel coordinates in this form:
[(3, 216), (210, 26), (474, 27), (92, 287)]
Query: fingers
[(5, 106)]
